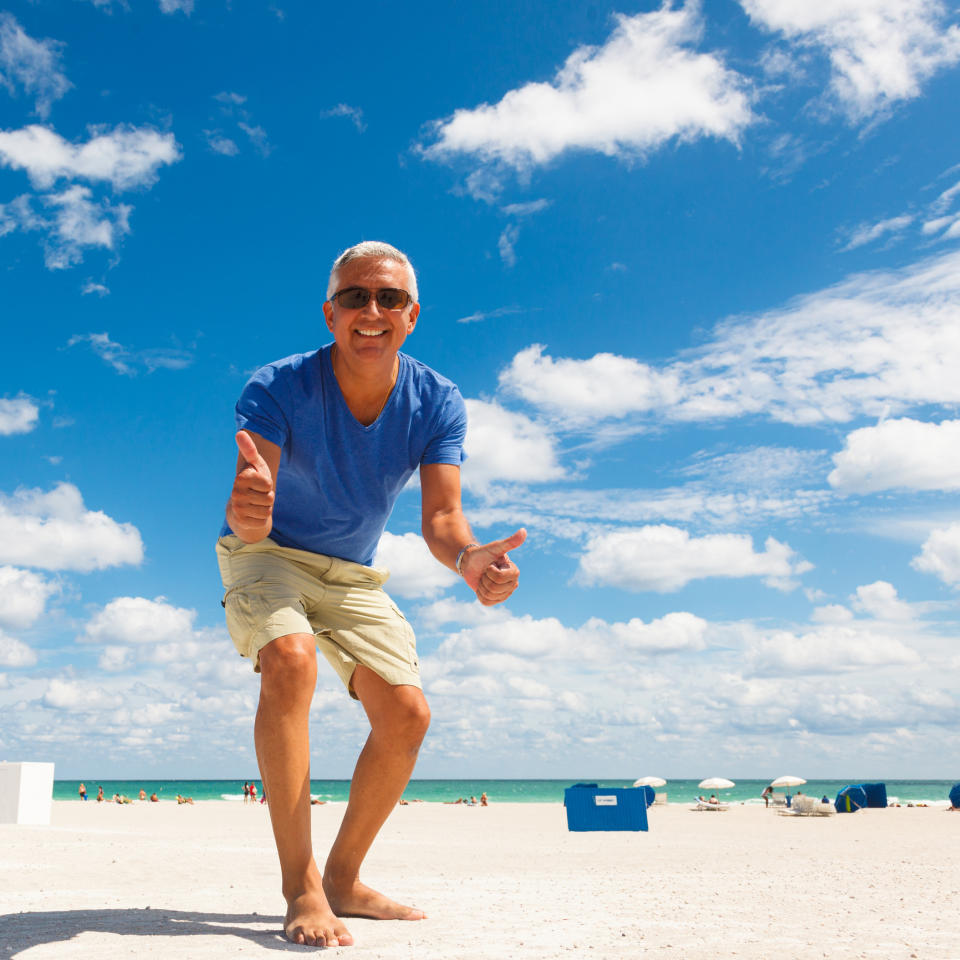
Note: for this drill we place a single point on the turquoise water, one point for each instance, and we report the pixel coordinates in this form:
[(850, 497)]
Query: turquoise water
[(499, 791)]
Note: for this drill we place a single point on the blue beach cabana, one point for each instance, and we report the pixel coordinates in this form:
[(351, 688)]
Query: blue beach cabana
[(955, 796), (850, 799)]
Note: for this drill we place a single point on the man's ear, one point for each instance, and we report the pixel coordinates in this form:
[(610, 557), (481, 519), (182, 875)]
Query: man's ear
[(412, 320), (328, 314)]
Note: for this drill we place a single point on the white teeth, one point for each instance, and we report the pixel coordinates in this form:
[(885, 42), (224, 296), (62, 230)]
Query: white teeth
[(371, 333)]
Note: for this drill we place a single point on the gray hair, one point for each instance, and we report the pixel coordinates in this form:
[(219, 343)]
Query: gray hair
[(371, 250)]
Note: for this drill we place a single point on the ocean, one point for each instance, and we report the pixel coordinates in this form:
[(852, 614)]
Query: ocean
[(932, 792)]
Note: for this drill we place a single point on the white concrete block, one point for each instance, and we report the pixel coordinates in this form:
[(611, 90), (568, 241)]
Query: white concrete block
[(26, 792)]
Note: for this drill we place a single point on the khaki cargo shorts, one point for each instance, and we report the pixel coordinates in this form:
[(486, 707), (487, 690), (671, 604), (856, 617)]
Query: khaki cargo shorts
[(272, 591)]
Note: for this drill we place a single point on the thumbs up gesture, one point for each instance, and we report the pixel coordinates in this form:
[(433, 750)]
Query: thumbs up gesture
[(250, 507), (488, 570)]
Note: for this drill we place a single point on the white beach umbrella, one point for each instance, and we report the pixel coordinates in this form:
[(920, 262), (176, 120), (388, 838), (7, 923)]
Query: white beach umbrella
[(716, 783), (650, 782), (788, 781)]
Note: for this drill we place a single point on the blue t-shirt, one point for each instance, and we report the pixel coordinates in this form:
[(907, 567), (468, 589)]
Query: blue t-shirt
[(338, 479)]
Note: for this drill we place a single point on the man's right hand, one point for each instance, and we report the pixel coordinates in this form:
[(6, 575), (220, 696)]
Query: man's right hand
[(250, 508)]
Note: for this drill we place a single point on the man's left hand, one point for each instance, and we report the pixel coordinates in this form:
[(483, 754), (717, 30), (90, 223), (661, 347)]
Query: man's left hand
[(488, 570)]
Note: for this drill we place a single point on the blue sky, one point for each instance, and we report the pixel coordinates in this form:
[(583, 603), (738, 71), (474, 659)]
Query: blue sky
[(695, 269)]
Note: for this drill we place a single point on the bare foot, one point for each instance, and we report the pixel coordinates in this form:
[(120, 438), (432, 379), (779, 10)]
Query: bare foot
[(310, 921), (359, 900)]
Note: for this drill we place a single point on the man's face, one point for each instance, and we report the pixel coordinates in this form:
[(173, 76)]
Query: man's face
[(371, 334)]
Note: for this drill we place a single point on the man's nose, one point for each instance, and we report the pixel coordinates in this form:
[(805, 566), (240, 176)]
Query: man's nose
[(372, 308)]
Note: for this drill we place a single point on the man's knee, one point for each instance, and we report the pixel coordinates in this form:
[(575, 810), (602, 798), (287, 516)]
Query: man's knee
[(411, 718), (289, 662)]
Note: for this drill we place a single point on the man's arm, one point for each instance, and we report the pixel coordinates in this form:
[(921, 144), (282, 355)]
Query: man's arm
[(489, 572), (250, 507)]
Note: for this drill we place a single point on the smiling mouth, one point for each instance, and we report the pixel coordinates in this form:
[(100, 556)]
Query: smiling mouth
[(371, 333)]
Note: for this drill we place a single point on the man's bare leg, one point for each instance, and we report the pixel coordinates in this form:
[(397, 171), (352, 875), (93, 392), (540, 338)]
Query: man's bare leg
[(288, 676), (399, 717)]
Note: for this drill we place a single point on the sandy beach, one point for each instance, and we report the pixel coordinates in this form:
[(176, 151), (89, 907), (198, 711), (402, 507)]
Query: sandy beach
[(508, 881)]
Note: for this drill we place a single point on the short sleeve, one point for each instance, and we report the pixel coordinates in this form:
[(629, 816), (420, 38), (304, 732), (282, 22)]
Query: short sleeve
[(446, 444), (259, 410)]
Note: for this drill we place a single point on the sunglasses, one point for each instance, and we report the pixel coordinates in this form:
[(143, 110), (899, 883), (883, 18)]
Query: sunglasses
[(354, 298)]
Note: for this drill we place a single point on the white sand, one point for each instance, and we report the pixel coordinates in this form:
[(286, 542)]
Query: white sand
[(508, 881)]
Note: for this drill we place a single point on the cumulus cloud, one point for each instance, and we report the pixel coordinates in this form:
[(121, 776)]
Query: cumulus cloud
[(832, 648), (899, 454), (880, 600), (414, 571), (125, 157), (130, 362), (940, 555), (876, 343), (17, 415), (31, 65), (176, 6), (54, 531), (506, 447), (880, 51), (645, 86), (23, 596), (136, 620), (665, 558), (15, 653)]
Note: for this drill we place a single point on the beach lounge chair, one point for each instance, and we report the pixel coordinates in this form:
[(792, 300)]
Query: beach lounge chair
[(705, 805), (808, 807), (660, 798)]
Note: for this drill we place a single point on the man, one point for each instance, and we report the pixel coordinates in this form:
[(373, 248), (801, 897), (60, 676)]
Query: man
[(327, 440)]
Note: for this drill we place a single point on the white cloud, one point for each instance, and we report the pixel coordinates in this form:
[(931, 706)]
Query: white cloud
[(23, 596), (880, 600), (17, 415), (354, 114), (899, 454), (665, 558), (15, 653), (506, 447), (136, 620), (868, 232), (481, 315), (76, 223), (646, 85), (940, 555), (218, 143), (130, 362), (880, 51), (525, 209), (33, 65), (874, 344), (832, 648), (78, 696), (507, 243), (176, 6), (55, 531), (101, 290), (414, 571), (126, 157)]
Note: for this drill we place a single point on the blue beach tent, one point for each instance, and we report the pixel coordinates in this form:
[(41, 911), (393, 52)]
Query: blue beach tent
[(649, 793), (850, 799), (876, 794), (955, 795)]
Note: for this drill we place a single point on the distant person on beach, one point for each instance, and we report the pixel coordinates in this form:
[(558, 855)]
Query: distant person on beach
[(246, 792), (484, 802), (767, 791), (143, 794), (327, 441), (100, 797), (83, 791), (154, 798), (253, 793)]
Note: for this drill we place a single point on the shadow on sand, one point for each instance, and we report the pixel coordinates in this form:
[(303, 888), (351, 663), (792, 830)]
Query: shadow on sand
[(20, 931)]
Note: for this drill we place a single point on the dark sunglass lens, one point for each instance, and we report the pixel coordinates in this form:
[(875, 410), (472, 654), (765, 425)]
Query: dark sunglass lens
[(391, 299), (353, 298)]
